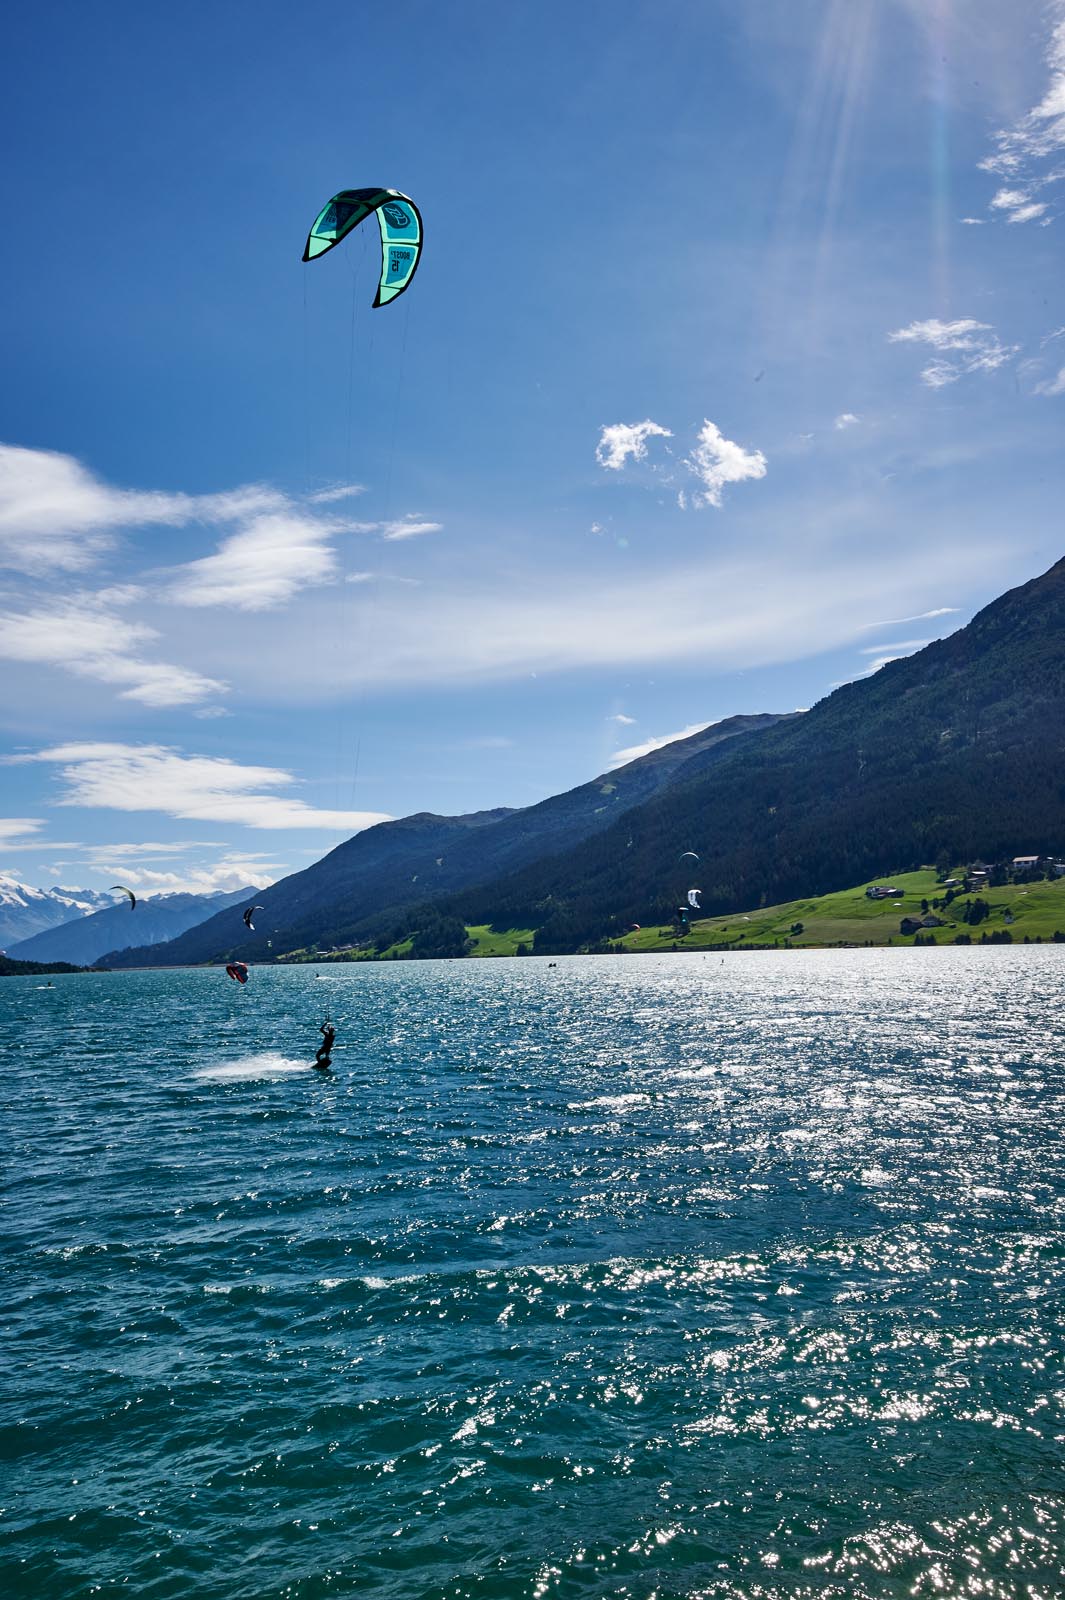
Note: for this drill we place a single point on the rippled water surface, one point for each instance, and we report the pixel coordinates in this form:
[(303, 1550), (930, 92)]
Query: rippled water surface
[(627, 1277)]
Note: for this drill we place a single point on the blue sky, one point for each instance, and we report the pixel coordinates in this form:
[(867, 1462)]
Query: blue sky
[(735, 365)]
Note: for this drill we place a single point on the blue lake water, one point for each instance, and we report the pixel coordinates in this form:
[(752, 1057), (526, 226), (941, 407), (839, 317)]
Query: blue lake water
[(627, 1277)]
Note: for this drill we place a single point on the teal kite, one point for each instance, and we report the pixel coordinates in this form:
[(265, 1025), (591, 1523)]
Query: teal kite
[(401, 233)]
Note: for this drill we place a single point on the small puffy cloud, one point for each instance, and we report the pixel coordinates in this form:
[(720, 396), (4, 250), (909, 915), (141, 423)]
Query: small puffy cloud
[(846, 419), (973, 346), (621, 757), (158, 778), (83, 637), (408, 528), (622, 720), (972, 222), (597, 527), (717, 461), (621, 440)]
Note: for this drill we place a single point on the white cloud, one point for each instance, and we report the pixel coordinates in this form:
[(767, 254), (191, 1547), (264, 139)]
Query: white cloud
[(1029, 212), (261, 566), (751, 601), (965, 333), (621, 757), (13, 829), (339, 491), (975, 346), (972, 222), (620, 718), (408, 528), (717, 461), (903, 647), (922, 616), (1018, 205), (86, 639), (596, 527), (123, 777), (55, 514), (232, 872), (623, 439), (1023, 152), (846, 419), (1052, 386)]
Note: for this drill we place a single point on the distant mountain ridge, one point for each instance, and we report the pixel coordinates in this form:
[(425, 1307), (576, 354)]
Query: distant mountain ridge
[(955, 751), (368, 878), (25, 910), (155, 921)]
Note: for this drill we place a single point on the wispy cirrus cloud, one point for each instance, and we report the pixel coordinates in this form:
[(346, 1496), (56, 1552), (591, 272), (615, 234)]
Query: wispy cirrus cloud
[(14, 829), (89, 638), (972, 347), (1052, 386), (1024, 154), (232, 871), (262, 566), (55, 514), (620, 758), (621, 441), (621, 719), (901, 647), (410, 527), (151, 777), (337, 491), (922, 616)]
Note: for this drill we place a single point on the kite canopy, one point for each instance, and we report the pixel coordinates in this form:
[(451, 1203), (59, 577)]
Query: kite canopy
[(693, 899), (689, 855), (132, 896), (400, 222), (238, 971), (248, 916)]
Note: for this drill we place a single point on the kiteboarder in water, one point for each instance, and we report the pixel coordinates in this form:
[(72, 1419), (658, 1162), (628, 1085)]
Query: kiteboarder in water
[(322, 1056)]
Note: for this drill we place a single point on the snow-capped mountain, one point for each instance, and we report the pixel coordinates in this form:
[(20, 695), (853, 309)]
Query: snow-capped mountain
[(25, 910), (163, 917)]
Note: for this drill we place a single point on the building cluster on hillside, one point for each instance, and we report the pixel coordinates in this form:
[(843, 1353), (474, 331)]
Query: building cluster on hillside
[(1017, 869)]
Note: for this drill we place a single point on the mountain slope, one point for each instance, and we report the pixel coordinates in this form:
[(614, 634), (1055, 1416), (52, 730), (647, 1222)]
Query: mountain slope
[(393, 865), (25, 910), (959, 749), (154, 921)]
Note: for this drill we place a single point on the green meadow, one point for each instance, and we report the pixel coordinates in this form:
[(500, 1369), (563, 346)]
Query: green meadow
[(849, 918)]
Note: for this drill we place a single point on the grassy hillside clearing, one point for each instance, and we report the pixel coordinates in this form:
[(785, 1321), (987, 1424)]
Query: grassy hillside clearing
[(848, 918), (488, 941)]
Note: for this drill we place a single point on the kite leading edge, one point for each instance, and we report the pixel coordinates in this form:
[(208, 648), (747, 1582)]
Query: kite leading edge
[(400, 222)]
